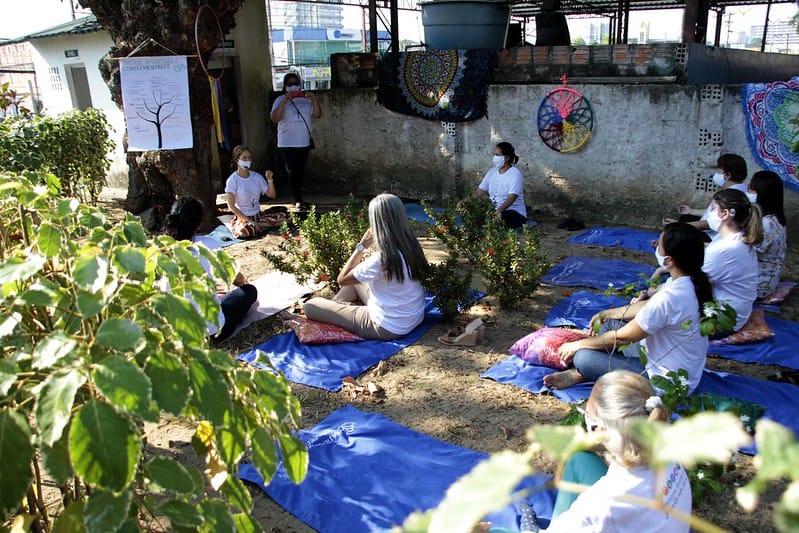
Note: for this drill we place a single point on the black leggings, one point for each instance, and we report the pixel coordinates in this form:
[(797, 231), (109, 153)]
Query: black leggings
[(513, 219), (294, 160), (235, 305)]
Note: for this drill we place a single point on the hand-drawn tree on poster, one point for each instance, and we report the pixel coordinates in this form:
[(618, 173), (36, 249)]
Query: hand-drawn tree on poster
[(157, 177), (155, 116)]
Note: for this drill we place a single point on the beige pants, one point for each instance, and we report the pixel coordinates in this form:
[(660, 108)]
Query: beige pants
[(348, 310)]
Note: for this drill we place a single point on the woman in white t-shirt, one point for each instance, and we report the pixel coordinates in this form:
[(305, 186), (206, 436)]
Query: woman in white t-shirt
[(731, 259), (504, 185), (767, 189), (385, 286), (243, 190), (667, 324)]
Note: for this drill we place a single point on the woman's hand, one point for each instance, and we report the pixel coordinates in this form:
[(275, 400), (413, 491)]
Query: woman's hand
[(498, 214), (568, 349), (596, 322), (310, 96), (367, 238), (684, 209), (268, 174)]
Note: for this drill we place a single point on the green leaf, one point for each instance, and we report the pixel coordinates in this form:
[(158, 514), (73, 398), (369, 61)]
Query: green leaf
[(165, 474), (54, 403), (170, 382), (16, 269), (67, 206), (8, 376), (89, 304), (8, 325), (185, 320), (119, 333), (777, 451), (231, 438), (52, 349), (295, 457), (104, 447), (71, 520), (181, 514), (487, 487), (264, 454), (38, 295), (560, 442), (237, 494), (49, 239), (786, 515), (211, 394), (106, 511), (15, 468), (217, 517), (124, 384), (131, 259), (90, 272), (56, 461), (245, 524), (135, 233)]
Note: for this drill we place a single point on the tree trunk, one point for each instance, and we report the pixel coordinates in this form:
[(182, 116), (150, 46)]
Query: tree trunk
[(156, 178)]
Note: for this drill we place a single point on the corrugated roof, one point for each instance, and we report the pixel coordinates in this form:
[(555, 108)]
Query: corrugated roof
[(80, 26), (528, 8)]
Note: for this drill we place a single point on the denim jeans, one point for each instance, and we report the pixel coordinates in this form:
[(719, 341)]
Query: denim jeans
[(235, 305), (594, 363)]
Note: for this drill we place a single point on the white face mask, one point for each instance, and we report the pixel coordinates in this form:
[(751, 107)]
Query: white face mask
[(661, 258), (498, 160), (244, 164), (752, 196), (719, 179), (293, 88), (714, 220)]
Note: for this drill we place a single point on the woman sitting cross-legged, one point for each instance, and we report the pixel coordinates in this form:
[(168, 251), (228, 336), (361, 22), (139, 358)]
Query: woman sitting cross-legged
[(767, 188), (667, 324), (385, 287)]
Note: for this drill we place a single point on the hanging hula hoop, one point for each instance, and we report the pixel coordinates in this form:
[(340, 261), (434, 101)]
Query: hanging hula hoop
[(197, 41), (565, 120)]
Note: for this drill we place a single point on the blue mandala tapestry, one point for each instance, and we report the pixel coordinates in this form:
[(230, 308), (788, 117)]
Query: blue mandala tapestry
[(771, 114), (445, 85)]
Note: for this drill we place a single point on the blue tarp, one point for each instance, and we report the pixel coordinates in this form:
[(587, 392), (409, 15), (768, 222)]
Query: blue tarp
[(576, 310), (632, 239), (579, 271), (367, 473)]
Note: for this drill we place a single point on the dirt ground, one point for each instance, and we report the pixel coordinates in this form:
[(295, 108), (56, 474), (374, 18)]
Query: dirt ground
[(437, 390)]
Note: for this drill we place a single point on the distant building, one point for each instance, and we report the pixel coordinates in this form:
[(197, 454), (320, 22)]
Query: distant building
[(309, 15), (16, 69), (781, 37), (598, 33)]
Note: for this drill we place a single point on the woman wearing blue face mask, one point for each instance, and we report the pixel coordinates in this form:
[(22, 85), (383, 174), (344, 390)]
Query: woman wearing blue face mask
[(504, 185), (658, 322), (767, 189)]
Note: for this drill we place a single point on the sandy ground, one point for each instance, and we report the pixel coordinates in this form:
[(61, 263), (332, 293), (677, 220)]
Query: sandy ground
[(437, 390)]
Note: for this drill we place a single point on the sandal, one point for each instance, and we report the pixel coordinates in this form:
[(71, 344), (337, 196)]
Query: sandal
[(785, 376), (471, 334)]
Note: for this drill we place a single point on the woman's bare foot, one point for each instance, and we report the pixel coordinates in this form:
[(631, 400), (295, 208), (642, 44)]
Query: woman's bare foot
[(563, 380), (286, 316)]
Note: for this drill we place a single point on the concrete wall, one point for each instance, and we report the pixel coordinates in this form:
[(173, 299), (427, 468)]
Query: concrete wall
[(652, 147), (55, 86)]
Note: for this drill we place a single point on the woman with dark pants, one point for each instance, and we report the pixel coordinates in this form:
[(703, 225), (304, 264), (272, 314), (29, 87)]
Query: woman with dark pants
[(293, 112), (504, 185)]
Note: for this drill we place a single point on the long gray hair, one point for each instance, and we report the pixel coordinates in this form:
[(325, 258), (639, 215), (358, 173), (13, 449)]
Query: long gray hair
[(393, 236)]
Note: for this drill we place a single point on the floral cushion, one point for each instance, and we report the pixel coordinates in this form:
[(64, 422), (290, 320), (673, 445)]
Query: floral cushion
[(312, 332), (754, 330), (541, 346), (781, 292)]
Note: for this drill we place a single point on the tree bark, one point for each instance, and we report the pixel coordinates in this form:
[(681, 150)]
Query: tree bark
[(156, 178)]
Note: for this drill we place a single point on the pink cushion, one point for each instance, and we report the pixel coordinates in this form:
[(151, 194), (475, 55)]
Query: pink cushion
[(541, 346), (754, 330), (312, 332), (781, 292)]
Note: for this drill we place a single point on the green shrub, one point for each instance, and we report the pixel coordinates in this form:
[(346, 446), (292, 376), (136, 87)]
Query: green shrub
[(323, 244), (450, 286), (92, 349), (74, 146)]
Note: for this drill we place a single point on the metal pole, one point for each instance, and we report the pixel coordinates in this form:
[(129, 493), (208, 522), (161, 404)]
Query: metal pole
[(765, 27), (719, 20), (373, 26), (394, 26), (363, 29)]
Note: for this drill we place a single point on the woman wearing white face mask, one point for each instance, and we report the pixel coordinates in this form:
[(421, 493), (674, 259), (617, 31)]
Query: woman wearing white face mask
[(731, 259), (658, 322), (504, 185), (243, 190), (293, 113)]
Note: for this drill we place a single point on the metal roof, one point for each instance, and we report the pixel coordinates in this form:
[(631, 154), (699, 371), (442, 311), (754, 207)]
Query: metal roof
[(79, 26), (530, 8)]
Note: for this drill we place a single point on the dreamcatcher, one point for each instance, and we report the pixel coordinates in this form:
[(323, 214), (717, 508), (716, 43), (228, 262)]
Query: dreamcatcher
[(565, 119), (221, 126)]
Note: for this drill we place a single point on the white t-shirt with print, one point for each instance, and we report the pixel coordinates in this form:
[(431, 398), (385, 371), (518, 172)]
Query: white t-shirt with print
[(248, 191), (291, 130), (500, 186), (732, 267), (596, 509), (670, 347), (393, 305), (770, 255)]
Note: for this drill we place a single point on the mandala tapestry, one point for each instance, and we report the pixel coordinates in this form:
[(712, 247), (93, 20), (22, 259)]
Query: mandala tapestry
[(443, 85), (771, 114)]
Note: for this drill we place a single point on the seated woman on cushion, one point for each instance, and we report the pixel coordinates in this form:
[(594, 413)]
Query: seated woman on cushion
[(504, 185), (385, 286), (767, 189), (658, 322)]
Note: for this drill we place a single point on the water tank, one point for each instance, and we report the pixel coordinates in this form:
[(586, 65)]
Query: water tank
[(452, 24)]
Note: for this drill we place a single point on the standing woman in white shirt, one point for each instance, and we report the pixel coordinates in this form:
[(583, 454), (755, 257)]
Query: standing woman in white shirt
[(767, 189), (504, 185), (243, 190), (293, 112), (731, 259), (385, 286)]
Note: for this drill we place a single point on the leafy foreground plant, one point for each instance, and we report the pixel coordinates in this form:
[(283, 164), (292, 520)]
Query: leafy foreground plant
[(703, 437), (91, 350), (323, 245)]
